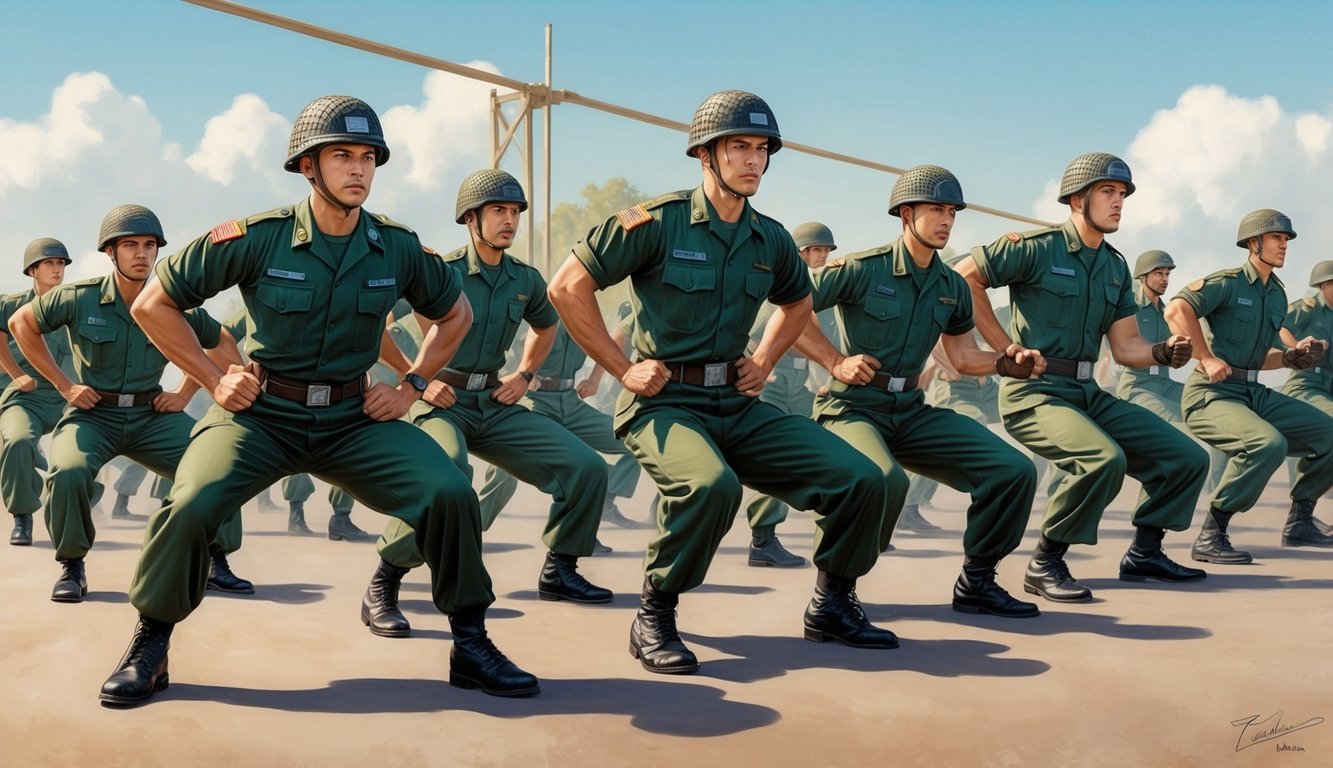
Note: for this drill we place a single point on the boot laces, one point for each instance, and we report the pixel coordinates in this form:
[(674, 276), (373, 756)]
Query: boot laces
[(146, 646), (1060, 571)]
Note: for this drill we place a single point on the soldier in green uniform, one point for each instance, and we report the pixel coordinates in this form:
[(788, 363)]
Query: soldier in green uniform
[(303, 403), (132, 476), (1069, 288), (700, 263), (474, 412), (562, 396), (30, 406), (788, 389), (118, 403), (893, 304), (1312, 316), (1227, 407)]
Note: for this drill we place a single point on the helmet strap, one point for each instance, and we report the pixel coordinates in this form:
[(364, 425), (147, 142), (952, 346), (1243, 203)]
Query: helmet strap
[(1260, 254), (318, 183), (476, 229), (712, 166)]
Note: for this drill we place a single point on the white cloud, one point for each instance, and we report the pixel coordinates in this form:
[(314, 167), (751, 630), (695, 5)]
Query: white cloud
[(247, 136)]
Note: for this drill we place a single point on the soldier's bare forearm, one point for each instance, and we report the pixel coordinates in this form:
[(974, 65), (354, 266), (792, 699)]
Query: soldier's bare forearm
[(166, 326), (788, 324), (574, 294)]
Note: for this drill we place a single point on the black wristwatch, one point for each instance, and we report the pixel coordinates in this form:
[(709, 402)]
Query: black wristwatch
[(527, 376), (418, 382)]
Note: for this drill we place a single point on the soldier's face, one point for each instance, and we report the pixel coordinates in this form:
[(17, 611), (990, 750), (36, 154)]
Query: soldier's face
[(931, 222), (1274, 248), (135, 254), (1326, 288), (815, 256), (1102, 205), (49, 273), (1157, 280), (741, 162), (498, 223), (347, 170)]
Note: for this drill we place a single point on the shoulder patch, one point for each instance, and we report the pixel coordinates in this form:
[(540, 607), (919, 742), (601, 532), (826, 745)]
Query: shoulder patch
[(276, 213), (385, 221), (1013, 237), (1309, 303), (228, 230), (429, 250), (838, 262), (1194, 286), (456, 255), (633, 217)]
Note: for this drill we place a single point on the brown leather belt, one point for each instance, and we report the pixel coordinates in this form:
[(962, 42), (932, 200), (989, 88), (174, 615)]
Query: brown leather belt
[(472, 382), (705, 375), (1080, 370), (552, 384), (124, 400), (313, 394), (1248, 375), (890, 383)]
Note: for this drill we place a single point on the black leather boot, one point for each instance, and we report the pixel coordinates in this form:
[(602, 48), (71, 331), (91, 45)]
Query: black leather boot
[(1300, 530), (561, 580), (142, 671), (1145, 559), (835, 613), (296, 520), (475, 662), (121, 509), (976, 592), (611, 514), (22, 535), (72, 584), (1214, 545), (221, 578), (341, 528), (767, 551), (653, 638), (910, 519), (1049, 576), (379, 605)]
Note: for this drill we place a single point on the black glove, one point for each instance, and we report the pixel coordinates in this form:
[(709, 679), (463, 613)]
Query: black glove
[(1009, 366), (1294, 358), (1174, 355)]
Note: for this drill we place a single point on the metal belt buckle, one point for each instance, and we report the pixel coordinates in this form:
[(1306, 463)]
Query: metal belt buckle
[(1154, 369), (1084, 370), (715, 374), (1317, 369), (896, 383), (476, 381), (799, 363), (318, 395), (124, 401), (1252, 375)]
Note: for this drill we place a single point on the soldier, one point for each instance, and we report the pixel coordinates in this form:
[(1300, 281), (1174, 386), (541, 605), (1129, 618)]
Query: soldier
[(560, 395), (127, 485), (1227, 407), (30, 406), (894, 303), (1069, 288), (700, 263), (119, 407), (1311, 317), (788, 390), (474, 413), (303, 405)]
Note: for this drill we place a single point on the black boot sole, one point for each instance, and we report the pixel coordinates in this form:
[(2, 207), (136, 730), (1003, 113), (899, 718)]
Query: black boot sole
[(70, 598), (20, 542), (1080, 599), (365, 619), (821, 636), (977, 609), (467, 683), (113, 701), (354, 538), (678, 669), (1221, 560), (1319, 545), (214, 586), (1139, 578), (558, 596), (755, 563)]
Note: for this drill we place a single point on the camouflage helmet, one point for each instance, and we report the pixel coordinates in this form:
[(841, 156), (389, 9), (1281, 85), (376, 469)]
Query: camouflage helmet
[(926, 184), (1092, 167), (1261, 222), (728, 113), (41, 249), (126, 220), (1150, 260), (488, 186), (1322, 273), (331, 119), (813, 233)]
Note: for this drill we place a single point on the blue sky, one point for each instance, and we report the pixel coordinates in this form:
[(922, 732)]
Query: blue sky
[(1003, 94)]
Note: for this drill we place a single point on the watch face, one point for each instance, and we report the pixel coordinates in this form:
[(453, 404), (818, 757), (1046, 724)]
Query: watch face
[(418, 382)]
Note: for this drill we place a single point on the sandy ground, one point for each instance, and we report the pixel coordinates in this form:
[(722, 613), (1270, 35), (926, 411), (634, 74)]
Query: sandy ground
[(1151, 675)]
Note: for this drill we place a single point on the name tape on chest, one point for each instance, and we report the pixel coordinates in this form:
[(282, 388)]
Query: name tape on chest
[(762, 267), (950, 300), (1066, 271), (884, 289), (96, 321), (1244, 302), (285, 275), (688, 255), (381, 282)]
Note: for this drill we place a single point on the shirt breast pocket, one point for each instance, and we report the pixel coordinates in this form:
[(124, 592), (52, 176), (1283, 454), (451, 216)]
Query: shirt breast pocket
[(95, 346), (688, 296), (1059, 297), (281, 316), (372, 306), (875, 323)]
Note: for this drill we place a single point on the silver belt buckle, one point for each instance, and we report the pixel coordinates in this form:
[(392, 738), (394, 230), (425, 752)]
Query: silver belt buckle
[(799, 363), (476, 381), (715, 374), (1317, 369), (1154, 369), (896, 383), (1084, 370), (317, 395), (1252, 375), (125, 401)]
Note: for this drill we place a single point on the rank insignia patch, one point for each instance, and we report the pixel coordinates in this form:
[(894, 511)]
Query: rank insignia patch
[(229, 230), (633, 217)]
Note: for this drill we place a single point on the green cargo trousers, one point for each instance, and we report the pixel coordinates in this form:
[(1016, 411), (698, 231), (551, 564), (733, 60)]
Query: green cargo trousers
[(789, 394), (389, 466), (529, 446), (24, 418), (300, 488), (700, 444), (960, 452), (1167, 408), (1096, 439), (1258, 428)]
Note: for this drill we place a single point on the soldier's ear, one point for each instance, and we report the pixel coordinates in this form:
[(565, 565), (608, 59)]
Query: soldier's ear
[(306, 163)]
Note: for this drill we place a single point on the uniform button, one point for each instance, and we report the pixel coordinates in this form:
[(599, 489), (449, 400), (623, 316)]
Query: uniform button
[(282, 306), (337, 282)]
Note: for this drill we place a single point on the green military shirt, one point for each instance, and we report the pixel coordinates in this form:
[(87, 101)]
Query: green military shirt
[(1312, 317), (57, 341), (315, 315), (1243, 314), (111, 352), (1151, 319), (502, 297), (697, 281), (889, 308)]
